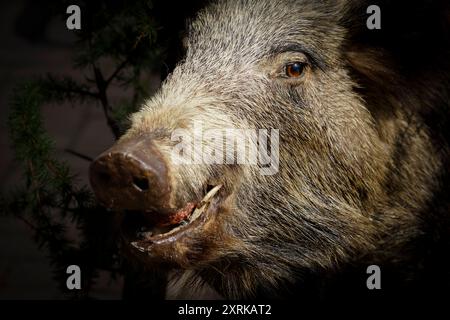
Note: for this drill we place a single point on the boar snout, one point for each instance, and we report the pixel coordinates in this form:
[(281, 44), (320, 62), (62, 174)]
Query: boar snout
[(131, 175)]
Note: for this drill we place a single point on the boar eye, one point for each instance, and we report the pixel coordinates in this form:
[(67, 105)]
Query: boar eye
[(294, 69)]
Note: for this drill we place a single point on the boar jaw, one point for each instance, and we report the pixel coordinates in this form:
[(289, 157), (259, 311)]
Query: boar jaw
[(191, 223)]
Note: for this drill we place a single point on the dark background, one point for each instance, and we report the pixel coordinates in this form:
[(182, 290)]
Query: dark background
[(32, 45)]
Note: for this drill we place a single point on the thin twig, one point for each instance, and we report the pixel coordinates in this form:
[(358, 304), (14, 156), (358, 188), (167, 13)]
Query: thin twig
[(79, 155), (119, 68), (83, 92), (102, 86), (28, 223)]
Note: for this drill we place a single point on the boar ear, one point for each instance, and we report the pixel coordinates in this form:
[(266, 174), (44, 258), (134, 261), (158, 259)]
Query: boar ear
[(413, 42)]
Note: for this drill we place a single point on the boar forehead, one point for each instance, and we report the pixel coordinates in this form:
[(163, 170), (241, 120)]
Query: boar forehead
[(237, 32)]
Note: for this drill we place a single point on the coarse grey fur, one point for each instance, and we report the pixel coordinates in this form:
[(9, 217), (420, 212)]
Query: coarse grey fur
[(341, 195)]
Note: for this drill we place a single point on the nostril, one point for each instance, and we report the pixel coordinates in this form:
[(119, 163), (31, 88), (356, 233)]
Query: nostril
[(141, 183), (104, 177)]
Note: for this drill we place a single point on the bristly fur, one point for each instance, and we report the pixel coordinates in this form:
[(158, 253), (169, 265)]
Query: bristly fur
[(364, 138)]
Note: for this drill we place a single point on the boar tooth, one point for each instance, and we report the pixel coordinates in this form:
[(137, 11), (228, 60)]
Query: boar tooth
[(137, 246), (205, 202), (211, 193), (197, 213)]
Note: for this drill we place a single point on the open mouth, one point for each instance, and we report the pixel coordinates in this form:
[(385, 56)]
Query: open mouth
[(142, 232)]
